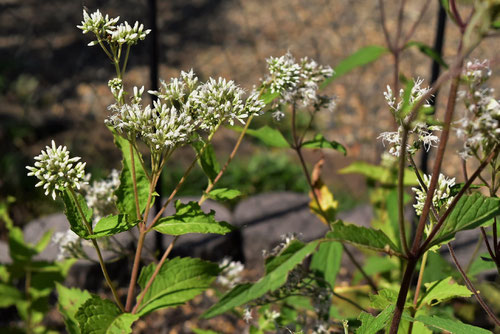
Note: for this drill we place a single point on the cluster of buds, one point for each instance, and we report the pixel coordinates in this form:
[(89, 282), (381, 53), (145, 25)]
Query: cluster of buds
[(107, 29), (442, 195), (422, 134), (480, 126), (417, 92), (297, 83)]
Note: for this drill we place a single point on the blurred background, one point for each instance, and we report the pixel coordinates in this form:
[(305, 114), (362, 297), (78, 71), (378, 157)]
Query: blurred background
[(52, 86)]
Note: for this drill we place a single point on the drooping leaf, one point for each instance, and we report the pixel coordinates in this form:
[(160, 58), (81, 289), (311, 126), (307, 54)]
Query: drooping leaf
[(321, 142), (361, 57), (10, 295), (439, 291), (111, 225), (269, 136), (326, 261), (322, 203), (178, 281), (102, 316), (363, 237), (189, 218), (428, 51), (371, 324), (470, 212), (380, 173), (244, 293), (72, 212), (125, 192), (223, 194), (451, 325), (207, 159), (69, 301)]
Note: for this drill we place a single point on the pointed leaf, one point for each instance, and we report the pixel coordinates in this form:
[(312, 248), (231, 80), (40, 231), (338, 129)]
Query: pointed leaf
[(371, 324), (43, 242), (363, 237), (189, 218), (125, 192), (428, 51), (244, 293), (361, 57), (10, 295), (470, 212), (223, 194), (72, 212), (379, 173), (69, 301), (450, 325), (269, 136), (207, 160), (101, 316), (326, 261), (439, 291), (111, 225), (178, 281), (321, 142)]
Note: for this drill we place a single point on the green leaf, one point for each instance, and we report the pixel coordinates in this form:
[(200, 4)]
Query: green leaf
[(10, 295), (111, 225), (69, 301), (407, 105), (379, 173), (269, 136), (203, 331), (361, 57), (101, 316), (72, 212), (326, 261), (223, 194), (383, 299), (320, 142), (428, 51), (442, 290), (268, 96), (371, 324), (125, 192), (19, 250), (363, 237), (207, 160), (375, 265), (244, 293), (470, 212), (43, 242), (479, 265), (189, 218), (273, 262), (178, 281), (450, 325)]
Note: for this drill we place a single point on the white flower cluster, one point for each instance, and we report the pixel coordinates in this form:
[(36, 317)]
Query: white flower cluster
[(423, 137), (56, 170), (298, 82), (230, 274), (442, 195), (480, 126), (116, 87), (100, 195), (67, 243), (417, 92), (183, 107), (107, 29)]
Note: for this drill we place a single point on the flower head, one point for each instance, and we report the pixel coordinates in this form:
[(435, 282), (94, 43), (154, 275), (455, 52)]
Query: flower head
[(67, 242), (127, 34), (96, 22), (442, 195), (230, 274), (100, 196), (56, 170)]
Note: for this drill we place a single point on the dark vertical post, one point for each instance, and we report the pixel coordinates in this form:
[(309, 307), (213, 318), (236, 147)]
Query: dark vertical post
[(153, 79), (438, 48)]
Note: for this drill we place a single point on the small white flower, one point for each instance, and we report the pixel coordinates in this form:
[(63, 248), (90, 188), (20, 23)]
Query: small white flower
[(96, 22), (442, 195), (127, 34), (100, 195), (56, 170), (247, 315), (229, 277), (66, 242)]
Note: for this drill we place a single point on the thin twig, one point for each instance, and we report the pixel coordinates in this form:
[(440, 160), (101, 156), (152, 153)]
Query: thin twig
[(486, 241), (417, 22), (401, 175), (383, 22)]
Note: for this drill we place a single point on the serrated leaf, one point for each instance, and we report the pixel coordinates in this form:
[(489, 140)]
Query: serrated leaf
[(178, 281), (244, 293), (470, 212), (72, 212), (69, 301), (10, 295), (321, 142), (361, 57), (428, 51), (383, 299), (111, 225), (371, 324), (442, 290), (451, 325), (189, 218), (207, 159), (326, 261), (101, 316), (125, 192), (223, 194), (363, 237), (269, 136), (379, 173)]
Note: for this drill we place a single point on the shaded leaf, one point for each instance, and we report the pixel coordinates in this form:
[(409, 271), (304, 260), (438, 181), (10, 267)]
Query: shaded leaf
[(361, 57), (223, 194), (244, 293), (189, 218), (326, 261), (207, 160), (321, 142), (111, 225), (10, 295), (69, 301), (72, 212), (178, 281)]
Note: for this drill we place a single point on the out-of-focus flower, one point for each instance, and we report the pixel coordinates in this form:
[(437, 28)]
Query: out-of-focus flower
[(230, 274), (67, 243), (100, 195)]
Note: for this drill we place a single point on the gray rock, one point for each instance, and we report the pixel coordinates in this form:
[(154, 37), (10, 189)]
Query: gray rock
[(4, 253)]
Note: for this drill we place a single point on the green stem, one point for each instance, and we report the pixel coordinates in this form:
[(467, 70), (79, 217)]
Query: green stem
[(126, 60), (417, 289), (401, 175), (134, 181)]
